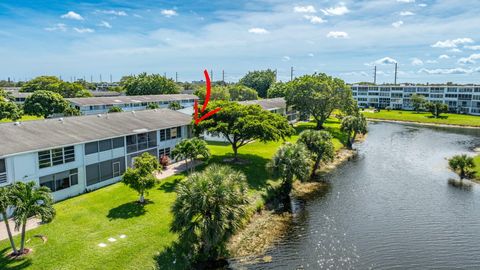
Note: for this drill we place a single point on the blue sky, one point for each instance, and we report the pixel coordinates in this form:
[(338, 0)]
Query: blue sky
[(432, 41)]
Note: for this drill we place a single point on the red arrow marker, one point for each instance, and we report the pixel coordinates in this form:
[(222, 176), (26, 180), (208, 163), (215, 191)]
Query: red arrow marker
[(207, 99)]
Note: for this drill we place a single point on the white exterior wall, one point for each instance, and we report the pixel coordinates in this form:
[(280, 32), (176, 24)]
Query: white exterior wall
[(127, 107)]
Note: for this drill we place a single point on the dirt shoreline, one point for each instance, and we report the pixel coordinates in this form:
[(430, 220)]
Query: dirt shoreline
[(266, 227), (420, 123)]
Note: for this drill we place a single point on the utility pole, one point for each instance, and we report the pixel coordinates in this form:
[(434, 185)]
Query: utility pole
[(396, 69), (275, 75), (211, 75), (101, 78), (176, 77), (111, 78), (375, 75), (91, 78), (223, 75), (291, 73), (165, 75)]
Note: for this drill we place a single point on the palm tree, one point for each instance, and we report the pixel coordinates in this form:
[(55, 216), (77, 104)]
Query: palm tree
[(30, 201), (5, 203), (319, 144), (290, 161), (353, 125), (461, 164), (209, 208), (189, 150)]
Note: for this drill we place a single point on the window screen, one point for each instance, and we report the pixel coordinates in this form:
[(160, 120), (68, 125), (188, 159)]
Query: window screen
[(91, 148)]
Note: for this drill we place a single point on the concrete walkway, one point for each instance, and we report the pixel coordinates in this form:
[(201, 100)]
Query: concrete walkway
[(176, 168), (31, 224)]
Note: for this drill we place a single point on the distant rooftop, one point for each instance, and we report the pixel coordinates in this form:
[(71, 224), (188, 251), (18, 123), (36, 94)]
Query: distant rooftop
[(267, 104), (105, 93), (57, 132), (128, 99)]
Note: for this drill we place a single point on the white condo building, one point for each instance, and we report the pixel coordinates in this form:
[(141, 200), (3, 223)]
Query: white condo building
[(459, 98), (76, 154)]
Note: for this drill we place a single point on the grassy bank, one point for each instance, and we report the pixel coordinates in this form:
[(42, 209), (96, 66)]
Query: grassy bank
[(423, 117), (85, 221), (477, 167), (24, 118)]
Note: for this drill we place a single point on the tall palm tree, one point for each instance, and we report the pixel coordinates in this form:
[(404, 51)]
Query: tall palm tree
[(353, 125), (189, 150), (30, 201), (461, 164), (5, 203), (290, 161), (209, 208), (319, 144)]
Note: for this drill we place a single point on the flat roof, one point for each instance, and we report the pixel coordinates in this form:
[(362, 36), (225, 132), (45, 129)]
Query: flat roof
[(267, 104), (91, 101), (56, 132)]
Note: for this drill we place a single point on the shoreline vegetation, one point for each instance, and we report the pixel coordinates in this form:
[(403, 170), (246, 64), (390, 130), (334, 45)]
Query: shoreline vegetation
[(424, 118)]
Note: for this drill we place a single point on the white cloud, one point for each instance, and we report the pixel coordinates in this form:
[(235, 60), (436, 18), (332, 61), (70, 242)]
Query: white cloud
[(83, 30), (57, 27), (406, 13), (422, 5), (168, 13), (444, 56), (314, 19), (455, 50), (259, 31), (337, 34), (475, 47), (304, 9), (336, 11), (452, 43), (446, 71), (431, 61), (469, 60), (72, 16), (113, 12), (416, 62), (286, 58), (397, 24), (355, 73), (311, 55), (105, 24), (406, 1), (385, 61)]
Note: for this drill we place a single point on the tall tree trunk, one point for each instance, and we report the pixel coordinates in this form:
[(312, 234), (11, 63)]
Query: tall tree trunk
[(352, 140), (142, 197), (186, 165), (235, 152), (315, 167), (462, 174), (319, 125), (9, 232), (22, 241)]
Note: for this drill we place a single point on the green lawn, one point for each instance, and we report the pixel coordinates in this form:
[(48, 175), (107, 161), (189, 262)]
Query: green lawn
[(477, 166), (423, 117), (87, 220), (24, 118)]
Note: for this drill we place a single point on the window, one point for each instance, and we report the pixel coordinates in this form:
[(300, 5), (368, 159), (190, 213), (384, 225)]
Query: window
[(170, 133), (105, 170), (105, 145), (164, 152), (60, 180), (3, 171), (118, 142), (91, 148), (56, 156)]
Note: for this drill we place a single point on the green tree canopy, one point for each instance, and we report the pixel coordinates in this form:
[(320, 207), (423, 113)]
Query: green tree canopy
[(190, 149), (71, 111), (6, 95), (318, 95), (40, 83), (141, 177), (418, 102), (278, 89), (175, 105), (319, 144), (461, 164), (209, 208), (260, 80), (436, 108), (153, 106), (353, 125), (289, 162), (54, 84), (216, 93), (240, 92), (9, 110), (115, 109), (148, 84), (44, 103), (29, 201), (241, 124)]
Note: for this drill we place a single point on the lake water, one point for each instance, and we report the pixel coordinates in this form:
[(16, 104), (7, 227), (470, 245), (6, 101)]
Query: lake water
[(390, 208)]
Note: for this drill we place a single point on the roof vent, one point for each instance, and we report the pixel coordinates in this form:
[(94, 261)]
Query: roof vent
[(60, 119), (99, 115), (133, 112), (17, 123)]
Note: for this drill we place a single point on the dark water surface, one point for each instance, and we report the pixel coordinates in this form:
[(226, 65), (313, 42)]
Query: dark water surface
[(391, 208)]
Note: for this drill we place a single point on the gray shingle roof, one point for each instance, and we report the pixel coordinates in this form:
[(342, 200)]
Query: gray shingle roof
[(50, 133), (128, 99), (267, 104)]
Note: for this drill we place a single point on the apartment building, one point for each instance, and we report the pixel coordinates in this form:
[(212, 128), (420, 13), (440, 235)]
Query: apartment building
[(76, 154), (275, 105), (99, 105), (459, 98)]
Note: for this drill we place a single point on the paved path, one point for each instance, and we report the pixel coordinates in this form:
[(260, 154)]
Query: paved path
[(31, 224), (176, 168)]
